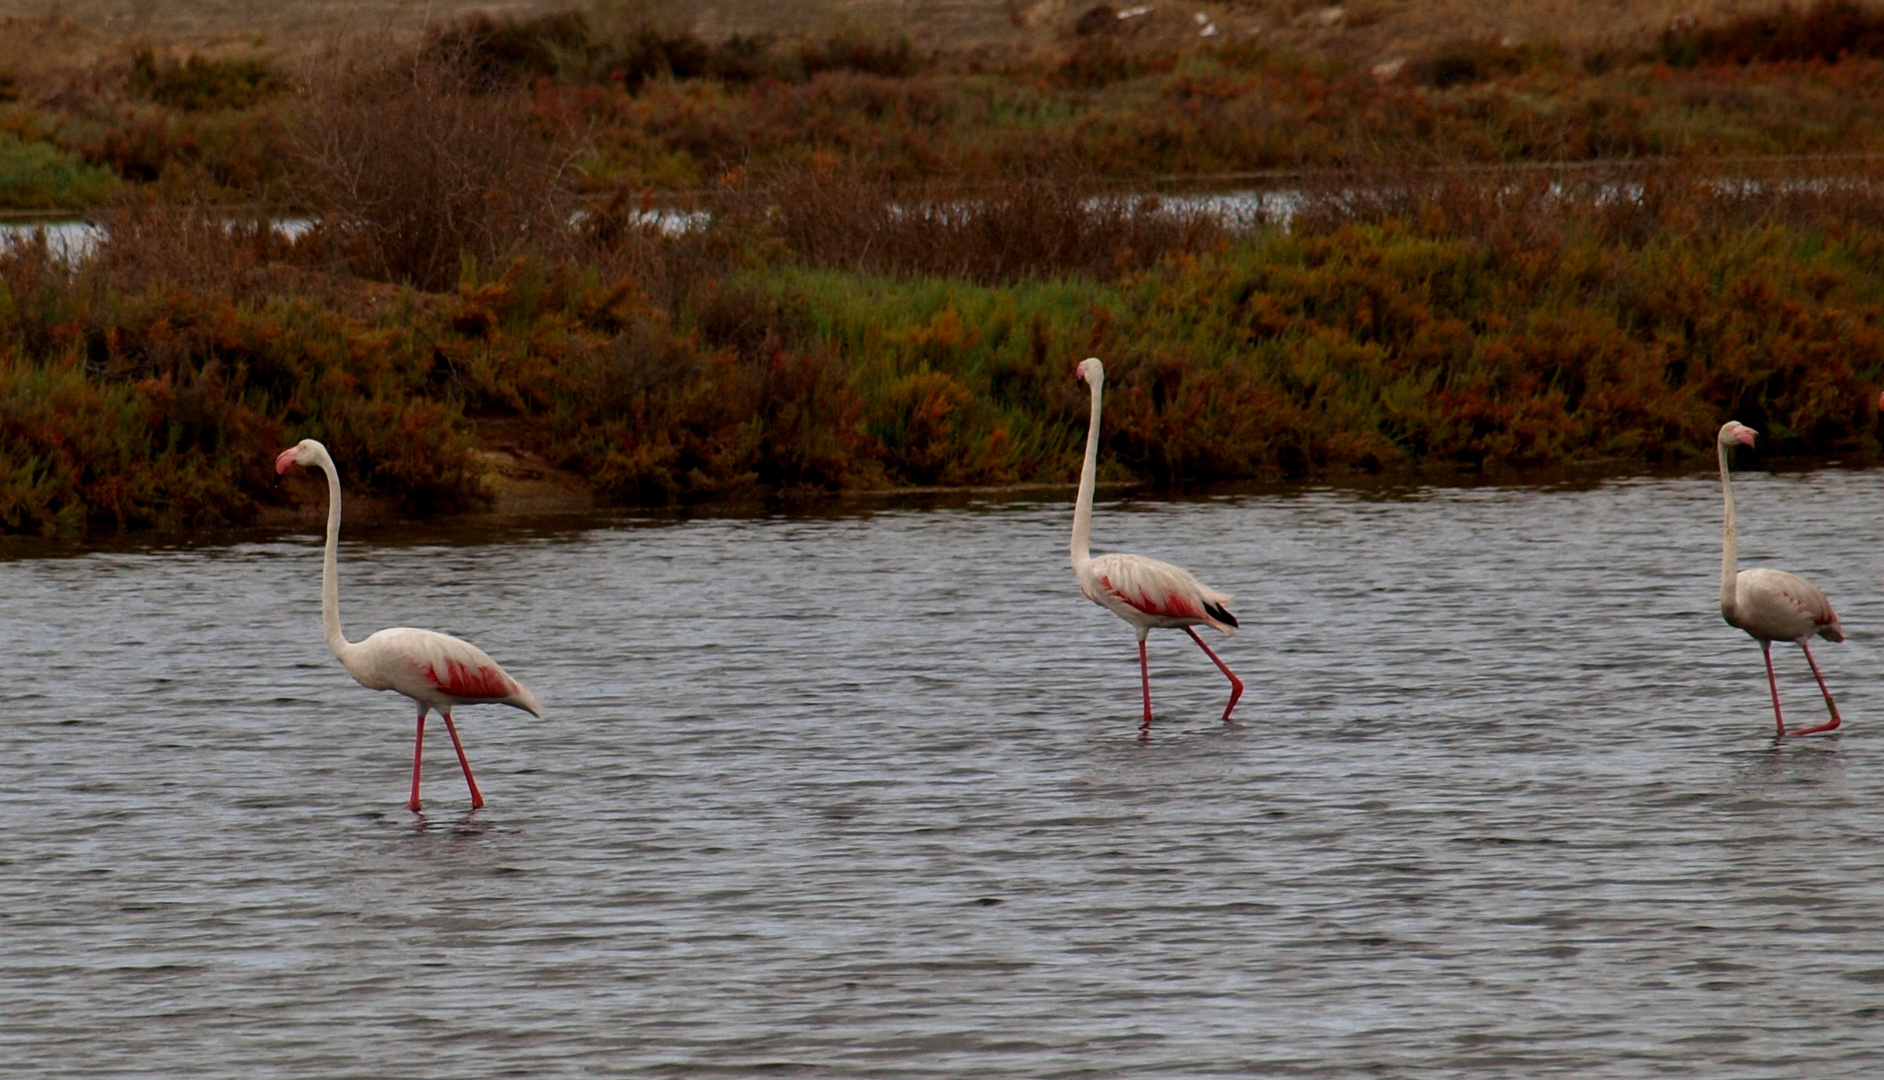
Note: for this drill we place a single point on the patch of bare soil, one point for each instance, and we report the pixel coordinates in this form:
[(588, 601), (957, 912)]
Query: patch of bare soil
[(520, 480)]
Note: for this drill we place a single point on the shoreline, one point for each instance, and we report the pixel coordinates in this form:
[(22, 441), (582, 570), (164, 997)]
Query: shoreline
[(527, 514), (515, 501)]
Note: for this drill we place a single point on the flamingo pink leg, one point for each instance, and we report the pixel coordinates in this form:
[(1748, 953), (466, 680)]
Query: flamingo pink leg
[(1236, 684), (477, 800), (1829, 725), (418, 755), (1144, 674)]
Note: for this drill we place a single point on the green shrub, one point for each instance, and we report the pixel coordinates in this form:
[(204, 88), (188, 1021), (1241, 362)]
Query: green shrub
[(39, 176)]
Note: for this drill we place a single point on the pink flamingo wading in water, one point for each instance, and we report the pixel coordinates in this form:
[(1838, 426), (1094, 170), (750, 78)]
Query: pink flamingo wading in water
[(1144, 592), (435, 670), (1771, 605)]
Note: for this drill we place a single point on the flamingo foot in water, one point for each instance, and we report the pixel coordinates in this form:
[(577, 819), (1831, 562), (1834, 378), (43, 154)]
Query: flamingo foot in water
[(1829, 725)]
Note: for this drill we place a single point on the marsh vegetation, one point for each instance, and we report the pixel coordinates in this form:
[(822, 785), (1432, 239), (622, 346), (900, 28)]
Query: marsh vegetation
[(686, 269)]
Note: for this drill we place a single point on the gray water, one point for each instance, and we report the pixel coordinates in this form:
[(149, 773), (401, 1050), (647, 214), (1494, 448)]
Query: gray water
[(863, 795)]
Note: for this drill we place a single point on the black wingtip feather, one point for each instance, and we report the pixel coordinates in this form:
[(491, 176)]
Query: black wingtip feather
[(1220, 613)]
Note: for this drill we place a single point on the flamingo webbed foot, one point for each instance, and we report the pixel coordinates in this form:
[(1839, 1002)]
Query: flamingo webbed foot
[(1829, 725)]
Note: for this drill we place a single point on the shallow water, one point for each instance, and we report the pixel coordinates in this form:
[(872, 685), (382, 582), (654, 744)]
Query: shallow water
[(74, 241), (864, 796)]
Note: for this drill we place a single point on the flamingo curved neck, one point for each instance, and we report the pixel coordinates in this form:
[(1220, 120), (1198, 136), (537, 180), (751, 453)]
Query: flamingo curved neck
[(1729, 545), (1088, 482), (330, 570)]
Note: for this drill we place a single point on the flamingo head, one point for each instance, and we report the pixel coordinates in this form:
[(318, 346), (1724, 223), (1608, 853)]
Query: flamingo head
[(1090, 371), (305, 452), (1733, 431)]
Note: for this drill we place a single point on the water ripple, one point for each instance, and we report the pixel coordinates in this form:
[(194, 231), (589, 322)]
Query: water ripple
[(862, 796)]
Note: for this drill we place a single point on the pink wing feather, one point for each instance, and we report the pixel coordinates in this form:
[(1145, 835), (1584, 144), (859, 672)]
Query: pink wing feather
[(445, 665), (1158, 588)]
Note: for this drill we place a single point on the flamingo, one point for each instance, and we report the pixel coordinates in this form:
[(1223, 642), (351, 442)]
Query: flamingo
[(435, 670), (1144, 592), (1771, 605)]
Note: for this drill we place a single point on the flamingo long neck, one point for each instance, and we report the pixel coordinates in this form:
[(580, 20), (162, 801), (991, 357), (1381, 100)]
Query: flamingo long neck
[(330, 570), (1729, 544), (1088, 482)]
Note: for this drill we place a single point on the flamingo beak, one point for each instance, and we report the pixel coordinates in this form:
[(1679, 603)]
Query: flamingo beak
[(1880, 401), (284, 461), (1746, 435)]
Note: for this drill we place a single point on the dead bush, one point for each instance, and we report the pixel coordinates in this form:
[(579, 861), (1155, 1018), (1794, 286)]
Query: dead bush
[(496, 52), (146, 244), (411, 171)]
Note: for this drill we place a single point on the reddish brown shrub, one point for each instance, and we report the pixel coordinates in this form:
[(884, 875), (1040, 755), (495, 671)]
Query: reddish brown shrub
[(996, 232), (1825, 31)]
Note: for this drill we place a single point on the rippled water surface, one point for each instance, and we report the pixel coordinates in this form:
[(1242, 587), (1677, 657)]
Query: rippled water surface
[(864, 796)]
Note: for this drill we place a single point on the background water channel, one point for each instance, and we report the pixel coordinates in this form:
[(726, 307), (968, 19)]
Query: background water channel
[(862, 795)]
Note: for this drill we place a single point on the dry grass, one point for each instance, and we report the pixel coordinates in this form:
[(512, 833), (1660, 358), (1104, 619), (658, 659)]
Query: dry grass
[(1364, 31), (152, 246), (1622, 204), (1824, 31), (994, 30), (995, 232)]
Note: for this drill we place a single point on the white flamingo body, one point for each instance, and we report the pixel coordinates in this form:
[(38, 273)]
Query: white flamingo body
[(437, 671), (1146, 593), (1775, 605), (1771, 605), (1151, 594)]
